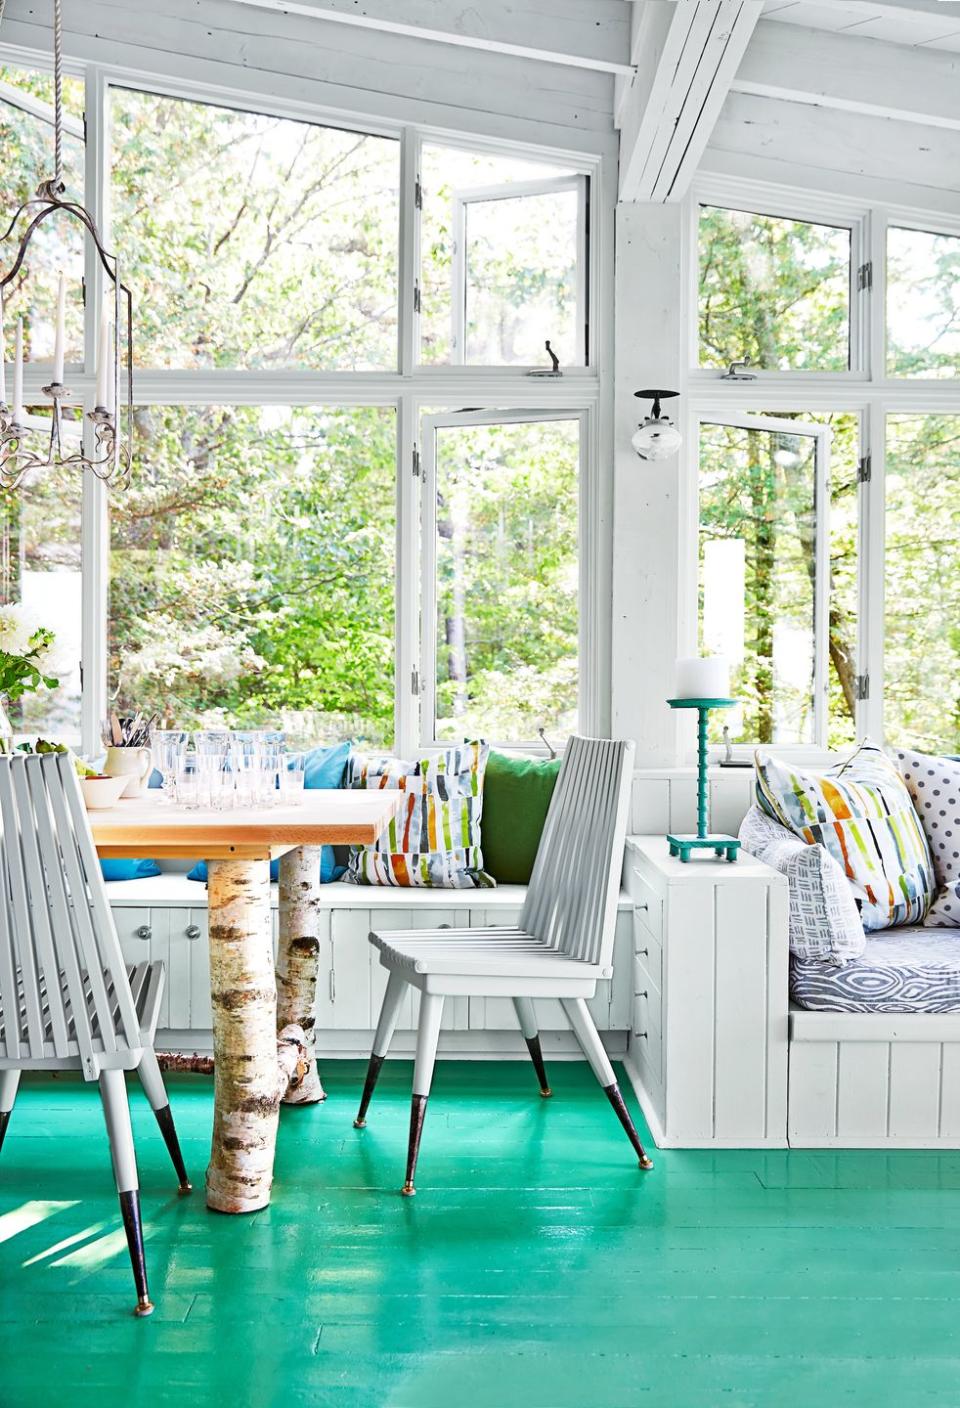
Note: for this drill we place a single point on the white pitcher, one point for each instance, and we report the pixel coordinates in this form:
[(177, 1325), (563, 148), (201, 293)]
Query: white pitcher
[(133, 763)]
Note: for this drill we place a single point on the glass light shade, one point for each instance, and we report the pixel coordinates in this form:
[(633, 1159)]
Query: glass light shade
[(657, 439)]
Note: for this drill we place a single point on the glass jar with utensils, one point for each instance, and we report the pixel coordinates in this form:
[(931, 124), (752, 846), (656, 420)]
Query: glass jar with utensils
[(168, 745)]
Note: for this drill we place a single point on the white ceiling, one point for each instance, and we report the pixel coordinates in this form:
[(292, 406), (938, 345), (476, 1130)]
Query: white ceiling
[(918, 25)]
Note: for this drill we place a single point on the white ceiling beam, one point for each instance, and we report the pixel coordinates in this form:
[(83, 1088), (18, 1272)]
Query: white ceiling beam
[(377, 17), (853, 75), (688, 54)]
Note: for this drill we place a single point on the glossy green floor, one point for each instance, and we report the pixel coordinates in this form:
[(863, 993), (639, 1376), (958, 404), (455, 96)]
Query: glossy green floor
[(537, 1266)]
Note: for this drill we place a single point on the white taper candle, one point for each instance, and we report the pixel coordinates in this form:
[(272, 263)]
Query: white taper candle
[(104, 378), (17, 407), (3, 357), (60, 335)]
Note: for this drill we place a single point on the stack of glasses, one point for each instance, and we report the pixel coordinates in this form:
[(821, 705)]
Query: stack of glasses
[(224, 770)]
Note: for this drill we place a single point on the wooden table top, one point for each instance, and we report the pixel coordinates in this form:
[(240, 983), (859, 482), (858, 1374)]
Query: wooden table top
[(150, 826)]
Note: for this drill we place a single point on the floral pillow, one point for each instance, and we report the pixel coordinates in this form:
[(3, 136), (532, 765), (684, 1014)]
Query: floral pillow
[(434, 840), (862, 814)]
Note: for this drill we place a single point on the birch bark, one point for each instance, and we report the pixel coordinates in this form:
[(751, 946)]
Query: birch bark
[(298, 960)]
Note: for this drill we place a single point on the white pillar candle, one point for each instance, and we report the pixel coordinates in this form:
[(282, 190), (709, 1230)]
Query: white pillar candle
[(703, 677), (105, 360), (60, 335), (17, 408), (3, 357)]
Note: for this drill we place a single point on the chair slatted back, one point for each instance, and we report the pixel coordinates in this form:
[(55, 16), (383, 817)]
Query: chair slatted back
[(572, 897), (63, 981)]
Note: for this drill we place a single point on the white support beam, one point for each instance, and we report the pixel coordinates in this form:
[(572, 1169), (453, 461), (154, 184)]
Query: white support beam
[(850, 74), (26, 102), (377, 17), (688, 54)]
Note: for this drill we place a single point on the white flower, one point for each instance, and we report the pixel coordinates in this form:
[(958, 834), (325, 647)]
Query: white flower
[(17, 627), (56, 659)]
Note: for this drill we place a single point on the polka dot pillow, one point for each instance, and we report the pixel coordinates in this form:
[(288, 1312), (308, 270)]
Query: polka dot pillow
[(934, 785)]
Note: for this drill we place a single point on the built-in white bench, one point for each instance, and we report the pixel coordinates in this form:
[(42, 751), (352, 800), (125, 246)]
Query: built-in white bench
[(166, 917)]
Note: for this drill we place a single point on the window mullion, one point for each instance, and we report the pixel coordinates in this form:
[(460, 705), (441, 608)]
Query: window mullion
[(872, 572), (409, 256)]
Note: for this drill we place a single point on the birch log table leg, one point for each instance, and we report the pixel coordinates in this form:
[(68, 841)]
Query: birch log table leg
[(298, 961), (251, 1070)]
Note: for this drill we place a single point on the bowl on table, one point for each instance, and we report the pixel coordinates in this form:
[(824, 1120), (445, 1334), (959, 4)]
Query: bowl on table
[(101, 792)]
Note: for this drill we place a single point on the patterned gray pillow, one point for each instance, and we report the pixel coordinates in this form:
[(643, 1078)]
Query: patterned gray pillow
[(934, 785), (824, 919)]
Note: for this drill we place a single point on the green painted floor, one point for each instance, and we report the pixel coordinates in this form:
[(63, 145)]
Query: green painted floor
[(536, 1268)]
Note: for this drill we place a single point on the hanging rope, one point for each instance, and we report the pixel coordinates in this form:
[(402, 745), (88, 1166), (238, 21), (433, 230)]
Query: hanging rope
[(57, 91)]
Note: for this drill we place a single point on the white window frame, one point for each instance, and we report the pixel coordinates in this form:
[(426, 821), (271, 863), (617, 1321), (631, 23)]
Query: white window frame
[(409, 388), (823, 436), (515, 190), (868, 392), (587, 684)]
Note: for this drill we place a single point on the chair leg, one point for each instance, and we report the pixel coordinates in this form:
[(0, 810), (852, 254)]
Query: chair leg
[(527, 1017), (428, 1035), (578, 1015), (386, 1026), (9, 1081), (113, 1093), (156, 1092)]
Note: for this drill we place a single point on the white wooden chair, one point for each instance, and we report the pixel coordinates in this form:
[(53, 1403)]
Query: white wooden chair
[(561, 948), (67, 1000)]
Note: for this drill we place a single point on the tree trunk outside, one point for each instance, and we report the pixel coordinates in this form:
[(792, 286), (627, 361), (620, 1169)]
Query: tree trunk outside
[(298, 961), (247, 1082)]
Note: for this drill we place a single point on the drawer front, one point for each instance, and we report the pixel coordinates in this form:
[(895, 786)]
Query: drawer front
[(648, 905), (647, 1040), (647, 970)]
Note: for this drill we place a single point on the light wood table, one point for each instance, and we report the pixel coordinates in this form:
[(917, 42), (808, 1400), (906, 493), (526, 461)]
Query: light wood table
[(251, 999)]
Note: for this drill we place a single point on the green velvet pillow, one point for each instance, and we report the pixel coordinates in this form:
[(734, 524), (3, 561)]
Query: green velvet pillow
[(516, 796)]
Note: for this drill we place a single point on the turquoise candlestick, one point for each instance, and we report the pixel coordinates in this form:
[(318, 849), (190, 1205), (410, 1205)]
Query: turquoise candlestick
[(684, 846)]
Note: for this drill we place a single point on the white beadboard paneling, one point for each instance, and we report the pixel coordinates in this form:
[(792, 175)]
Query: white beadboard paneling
[(950, 1092), (731, 797), (650, 812), (914, 1090), (683, 804), (689, 1043), (813, 1092), (863, 1091), (740, 1012)]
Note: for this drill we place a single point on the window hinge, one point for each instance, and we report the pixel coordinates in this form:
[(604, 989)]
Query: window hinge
[(864, 469), (863, 686), (415, 680), (418, 195), (865, 276), (416, 461), (416, 297)]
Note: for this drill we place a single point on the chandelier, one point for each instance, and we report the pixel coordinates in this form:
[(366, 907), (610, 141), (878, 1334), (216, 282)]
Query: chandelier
[(24, 450)]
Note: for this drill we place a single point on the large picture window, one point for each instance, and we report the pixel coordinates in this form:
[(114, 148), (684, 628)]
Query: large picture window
[(773, 291), (253, 567), (261, 242), (923, 303)]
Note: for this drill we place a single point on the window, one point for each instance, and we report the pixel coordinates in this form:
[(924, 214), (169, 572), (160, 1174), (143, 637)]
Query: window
[(775, 291), (40, 567), (503, 253), (261, 242), (26, 141), (778, 573), (922, 568), (923, 303), (501, 574), (252, 569)]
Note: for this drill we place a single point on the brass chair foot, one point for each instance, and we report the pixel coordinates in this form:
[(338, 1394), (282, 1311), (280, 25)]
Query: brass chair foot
[(144, 1308), (408, 1190), (646, 1163), (185, 1189), (545, 1094), (359, 1124)]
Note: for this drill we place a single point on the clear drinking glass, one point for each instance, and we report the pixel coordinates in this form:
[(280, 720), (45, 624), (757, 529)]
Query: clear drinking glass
[(168, 745), (188, 791), (292, 776)]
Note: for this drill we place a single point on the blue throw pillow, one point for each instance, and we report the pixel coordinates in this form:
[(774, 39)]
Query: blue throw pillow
[(129, 869), (324, 769)]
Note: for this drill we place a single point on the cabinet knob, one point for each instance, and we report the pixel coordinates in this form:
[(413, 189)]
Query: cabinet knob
[(643, 953), (145, 932), (641, 1035), (643, 994), (640, 907), (193, 931)]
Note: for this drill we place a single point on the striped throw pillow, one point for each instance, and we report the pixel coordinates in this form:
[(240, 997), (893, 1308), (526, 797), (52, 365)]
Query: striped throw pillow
[(862, 814), (434, 840)]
